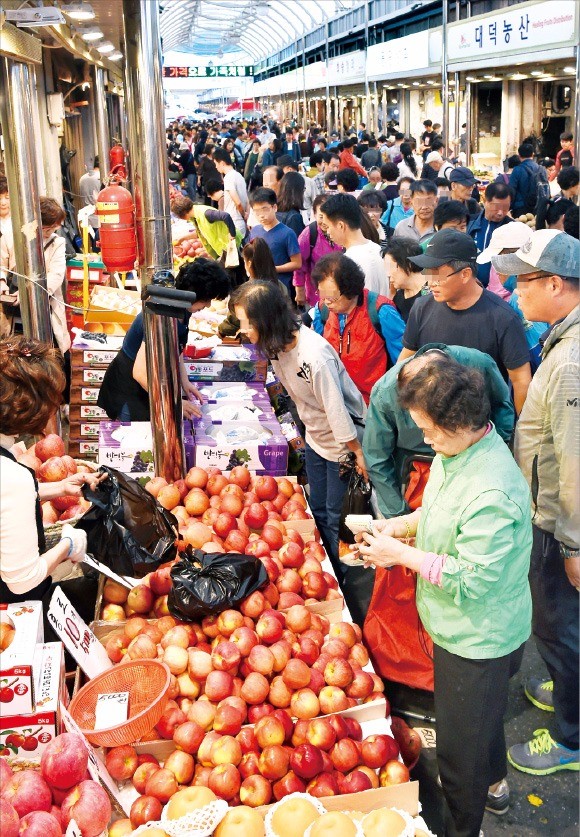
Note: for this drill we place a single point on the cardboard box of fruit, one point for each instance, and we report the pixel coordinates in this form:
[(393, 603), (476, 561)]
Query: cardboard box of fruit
[(259, 445), (24, 737), (229, 363), (21, 630)]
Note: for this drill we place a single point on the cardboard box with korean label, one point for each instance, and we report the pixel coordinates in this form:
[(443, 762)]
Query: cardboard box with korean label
[(83, 448), (260, 447), (220, 393), (81, 413), (82, 377), (94, 358), (84, 395), (24, 737), (229, 363), (21, 630), (128, 446)]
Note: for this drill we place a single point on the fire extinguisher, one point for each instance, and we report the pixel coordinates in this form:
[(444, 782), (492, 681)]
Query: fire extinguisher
[(117, 169), (116, 213)]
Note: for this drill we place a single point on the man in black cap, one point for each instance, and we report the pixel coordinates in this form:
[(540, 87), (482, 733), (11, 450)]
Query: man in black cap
[(463, 182), (461, 312)]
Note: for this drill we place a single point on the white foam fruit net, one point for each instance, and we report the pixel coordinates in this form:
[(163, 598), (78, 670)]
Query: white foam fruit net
[(357, 824), (408, 830), (270, 832), (199, 823)]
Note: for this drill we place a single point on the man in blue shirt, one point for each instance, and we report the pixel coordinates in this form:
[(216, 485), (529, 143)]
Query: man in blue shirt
[(495, 213), (524, 181), (281, 240), (399, 208)]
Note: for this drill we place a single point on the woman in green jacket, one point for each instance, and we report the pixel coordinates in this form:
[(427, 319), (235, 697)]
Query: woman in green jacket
[(472, 542)]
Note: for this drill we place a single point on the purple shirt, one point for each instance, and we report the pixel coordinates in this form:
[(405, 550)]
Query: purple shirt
[(322, 247)]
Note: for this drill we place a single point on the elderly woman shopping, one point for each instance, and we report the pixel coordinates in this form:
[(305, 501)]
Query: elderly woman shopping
[(472, 541)]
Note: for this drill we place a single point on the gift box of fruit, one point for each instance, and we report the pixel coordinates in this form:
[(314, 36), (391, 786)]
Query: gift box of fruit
[(21, 630)]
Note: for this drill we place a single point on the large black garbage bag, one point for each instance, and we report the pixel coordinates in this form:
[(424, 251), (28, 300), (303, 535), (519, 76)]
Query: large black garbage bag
[(205, 583), (127, 529)]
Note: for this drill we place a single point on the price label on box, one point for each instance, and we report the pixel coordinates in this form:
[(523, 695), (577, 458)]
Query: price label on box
[(78, 638)]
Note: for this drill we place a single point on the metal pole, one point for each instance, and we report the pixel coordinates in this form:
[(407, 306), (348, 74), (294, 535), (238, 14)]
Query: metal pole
[(328, 115), (367, 89), (577, 106), (102, 124), (457, 113), (444, 78), (151, 192), (468, 122), (306, 108), (16, 91)]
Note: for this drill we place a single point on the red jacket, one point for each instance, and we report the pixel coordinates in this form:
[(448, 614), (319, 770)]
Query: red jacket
[(360, 347), (349, 161)]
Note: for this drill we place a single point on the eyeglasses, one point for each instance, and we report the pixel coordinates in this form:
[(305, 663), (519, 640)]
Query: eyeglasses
[(330, 300), (521, 281), (432, 280)]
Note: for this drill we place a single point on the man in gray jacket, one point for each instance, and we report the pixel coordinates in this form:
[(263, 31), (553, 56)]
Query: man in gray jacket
[(547, 449)]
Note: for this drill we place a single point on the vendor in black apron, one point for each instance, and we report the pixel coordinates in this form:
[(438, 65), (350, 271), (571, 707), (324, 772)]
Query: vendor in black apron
[(32, 386), (123, 394)]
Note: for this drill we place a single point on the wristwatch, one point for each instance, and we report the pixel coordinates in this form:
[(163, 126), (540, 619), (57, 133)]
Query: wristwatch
[(569, 552)]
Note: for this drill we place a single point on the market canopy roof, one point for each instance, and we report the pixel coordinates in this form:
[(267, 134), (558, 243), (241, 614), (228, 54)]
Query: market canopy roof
[(254, 28)]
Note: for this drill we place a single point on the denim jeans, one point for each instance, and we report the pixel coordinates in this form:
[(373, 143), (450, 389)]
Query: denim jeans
[(327, 490), (191, 187)]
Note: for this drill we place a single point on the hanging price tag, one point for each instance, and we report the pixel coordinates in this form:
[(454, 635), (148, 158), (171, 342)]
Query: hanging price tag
[(95, 766), (125, 580), (73, 830), (111, 710), (78, 638)]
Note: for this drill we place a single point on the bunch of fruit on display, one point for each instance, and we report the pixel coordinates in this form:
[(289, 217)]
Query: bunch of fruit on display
[(42, 803), (187, 251), (50, 463)]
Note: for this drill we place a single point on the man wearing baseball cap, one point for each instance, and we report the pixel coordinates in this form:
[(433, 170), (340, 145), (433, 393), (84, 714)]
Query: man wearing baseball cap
[(547, 450), (458, 311), (463, 182)]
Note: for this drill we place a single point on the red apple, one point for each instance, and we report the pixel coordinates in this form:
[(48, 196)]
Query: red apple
[(188, 736), (338, 672), (289, 581), (142, 774), (324, 784), (266, 488), (354, 728), (225, 781), (355, 782), (314, 586), (361, 686), (255, 689), (226, 656), (228, 621), (269, 628), (255, 516), (274, 762), (249, 765), (332, 699), (218, 685), (169, 722), (258, 711), (121, 762), (255, 791), (64, 761), (377, 750), (145, 809), (245, 639), (320, 733), (308, 651), (253, 605), (240, 475), (290, 783), (393, 773), (88, 805), (50, 446), (181, 765), (306, 761), (39, 824), (345, 755)]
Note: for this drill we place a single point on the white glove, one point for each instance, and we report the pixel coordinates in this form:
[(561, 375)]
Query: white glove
[(78, 538)]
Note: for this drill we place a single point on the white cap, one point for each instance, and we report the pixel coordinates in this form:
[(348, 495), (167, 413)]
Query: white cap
[(514, 234), (433, 156)]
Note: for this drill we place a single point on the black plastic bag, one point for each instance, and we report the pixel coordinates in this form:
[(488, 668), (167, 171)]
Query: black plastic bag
[(205, 583), (127, 529), (357, 500)]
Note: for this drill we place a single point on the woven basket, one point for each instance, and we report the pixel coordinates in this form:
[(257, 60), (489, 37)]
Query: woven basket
[(147, 682), (53, 532)]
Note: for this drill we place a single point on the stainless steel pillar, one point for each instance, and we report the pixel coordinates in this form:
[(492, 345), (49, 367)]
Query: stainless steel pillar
[(457, 113), (16, 91), (468, 122), (102, 122), (367, 105), (444, 78), (149, 172), (577, 111)]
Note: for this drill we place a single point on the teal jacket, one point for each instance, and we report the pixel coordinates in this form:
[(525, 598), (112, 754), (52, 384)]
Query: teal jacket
[(392, 438), (477, 510)]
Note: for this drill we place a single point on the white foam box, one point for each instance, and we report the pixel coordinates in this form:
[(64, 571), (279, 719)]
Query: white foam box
[(17, 661), (26, 736)]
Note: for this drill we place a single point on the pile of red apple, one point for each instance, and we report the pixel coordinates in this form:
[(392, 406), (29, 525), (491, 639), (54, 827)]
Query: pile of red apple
[(293, 660), (41, 803), (257, 765), (49, 462)]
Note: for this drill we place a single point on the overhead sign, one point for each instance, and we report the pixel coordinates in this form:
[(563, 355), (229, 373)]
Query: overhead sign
[(226, 71), (347, 69), (518, 28), (408, 53)]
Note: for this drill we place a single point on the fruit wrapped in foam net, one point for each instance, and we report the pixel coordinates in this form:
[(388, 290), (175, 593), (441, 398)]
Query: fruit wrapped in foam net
[(271, 818), (202, 822), (372, 823), (358, 831)]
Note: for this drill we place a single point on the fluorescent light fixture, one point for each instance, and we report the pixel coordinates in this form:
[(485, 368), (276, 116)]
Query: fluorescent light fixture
[(93, 33), (537, 73), (79, 11), (569, 69), (115, 56), (470, 78), (106, 47), (416, 84), (518, 76), (430, 81)]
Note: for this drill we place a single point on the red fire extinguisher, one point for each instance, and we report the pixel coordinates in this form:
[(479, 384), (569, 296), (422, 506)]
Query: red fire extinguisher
[(116, 213), (117, 167)]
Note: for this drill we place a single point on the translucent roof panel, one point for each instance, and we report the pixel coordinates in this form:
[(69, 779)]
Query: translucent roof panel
[(247, 29)]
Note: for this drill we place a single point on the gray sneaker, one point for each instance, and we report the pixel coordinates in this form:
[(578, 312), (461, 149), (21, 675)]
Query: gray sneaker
[(540, 693), (498, 802), (543, 755)]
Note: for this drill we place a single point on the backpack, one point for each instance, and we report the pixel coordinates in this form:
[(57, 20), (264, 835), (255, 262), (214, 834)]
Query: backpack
[(373, 308), (538, 187)]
